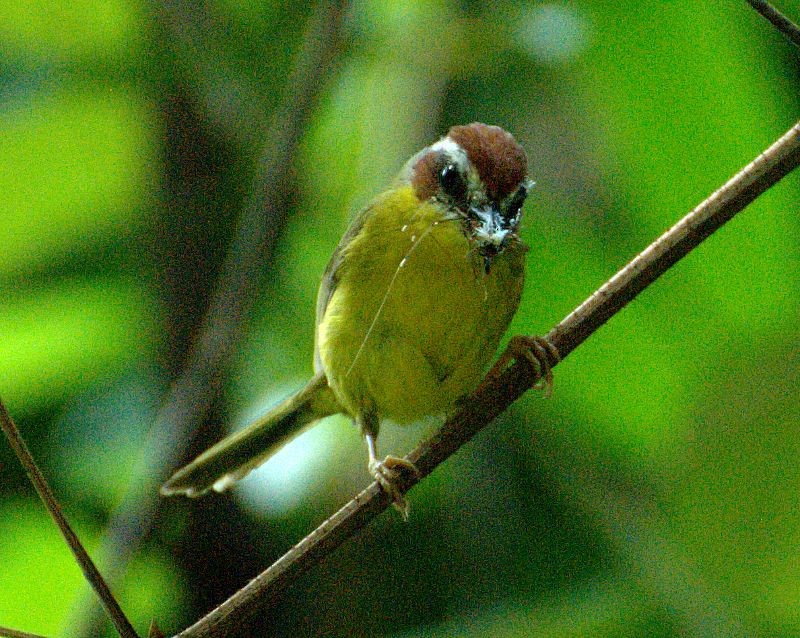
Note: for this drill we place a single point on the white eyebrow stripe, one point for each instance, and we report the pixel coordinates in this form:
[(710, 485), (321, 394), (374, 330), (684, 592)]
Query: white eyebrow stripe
[(452, 148)]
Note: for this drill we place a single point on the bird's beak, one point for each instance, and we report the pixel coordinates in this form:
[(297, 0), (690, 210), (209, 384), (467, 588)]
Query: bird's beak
[(491, 228)]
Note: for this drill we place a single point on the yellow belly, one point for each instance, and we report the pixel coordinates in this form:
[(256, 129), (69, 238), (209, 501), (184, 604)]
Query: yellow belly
[(414, 320)]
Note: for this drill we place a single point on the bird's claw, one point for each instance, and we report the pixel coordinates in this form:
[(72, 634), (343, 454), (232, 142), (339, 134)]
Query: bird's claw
[(389, 474), (538, 352)]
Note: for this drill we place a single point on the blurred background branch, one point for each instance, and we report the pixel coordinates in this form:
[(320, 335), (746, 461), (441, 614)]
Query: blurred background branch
[(255, 232)]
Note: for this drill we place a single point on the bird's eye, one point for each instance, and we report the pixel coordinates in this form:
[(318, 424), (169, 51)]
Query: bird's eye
[(452, 182)]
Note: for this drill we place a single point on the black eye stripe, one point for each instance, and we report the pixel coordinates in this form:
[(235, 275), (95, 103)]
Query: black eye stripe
[(515, 203)]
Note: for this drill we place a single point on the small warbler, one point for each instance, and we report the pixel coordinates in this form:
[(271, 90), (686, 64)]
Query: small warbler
[(411, 307)]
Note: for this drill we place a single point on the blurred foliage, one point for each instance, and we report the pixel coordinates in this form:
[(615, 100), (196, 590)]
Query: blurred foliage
[(654, 495)]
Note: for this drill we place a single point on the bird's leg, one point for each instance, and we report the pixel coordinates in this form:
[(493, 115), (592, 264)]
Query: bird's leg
[(389, 471), (538, 352)]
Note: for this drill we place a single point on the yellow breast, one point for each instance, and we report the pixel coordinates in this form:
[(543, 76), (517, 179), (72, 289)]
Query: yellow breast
[(413, 319)]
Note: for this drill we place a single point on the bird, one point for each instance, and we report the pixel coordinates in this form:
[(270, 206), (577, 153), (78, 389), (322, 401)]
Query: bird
[(410, 311)]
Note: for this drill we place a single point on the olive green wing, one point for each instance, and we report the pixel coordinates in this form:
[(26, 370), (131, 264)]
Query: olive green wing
[(330, 278)]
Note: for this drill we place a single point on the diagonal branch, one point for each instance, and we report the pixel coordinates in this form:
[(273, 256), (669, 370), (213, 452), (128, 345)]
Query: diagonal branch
[(497, 394), (5, 632), (788, 28), (82, 557)]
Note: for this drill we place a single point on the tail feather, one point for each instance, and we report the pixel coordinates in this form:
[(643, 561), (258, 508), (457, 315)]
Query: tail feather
[(237, 455)]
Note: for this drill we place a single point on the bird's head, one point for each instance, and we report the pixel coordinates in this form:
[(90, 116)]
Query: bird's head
[(480, 174)]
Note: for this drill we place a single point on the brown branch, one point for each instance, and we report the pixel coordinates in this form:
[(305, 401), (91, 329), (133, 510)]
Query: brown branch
[(5, 632), (788, 28), (89, 569), (496, 395)]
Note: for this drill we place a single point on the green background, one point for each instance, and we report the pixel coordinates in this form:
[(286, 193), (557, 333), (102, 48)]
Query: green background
[(655, 494)]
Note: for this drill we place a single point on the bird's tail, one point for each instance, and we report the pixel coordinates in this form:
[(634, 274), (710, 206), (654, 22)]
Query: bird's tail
[(235, 456)]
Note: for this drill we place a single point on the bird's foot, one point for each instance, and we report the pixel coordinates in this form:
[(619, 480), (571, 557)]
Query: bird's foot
[(538, 352), (389, 474)]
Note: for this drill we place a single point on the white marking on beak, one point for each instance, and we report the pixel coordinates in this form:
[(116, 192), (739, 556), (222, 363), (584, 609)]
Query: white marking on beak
[(490, 229)]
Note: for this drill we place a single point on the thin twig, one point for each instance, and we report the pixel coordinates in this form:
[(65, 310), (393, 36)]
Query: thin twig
[(89, 569), (788, 28), (5, 632), (259, 225), (763, 172), (495, 395)]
